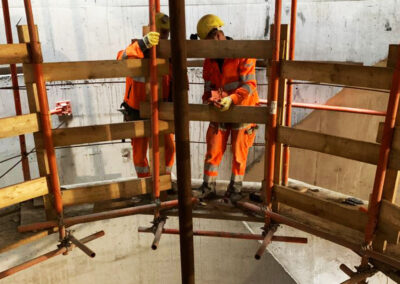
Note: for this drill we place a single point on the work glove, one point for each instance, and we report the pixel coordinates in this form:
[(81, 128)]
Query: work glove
[(225, 103), (151, 39)]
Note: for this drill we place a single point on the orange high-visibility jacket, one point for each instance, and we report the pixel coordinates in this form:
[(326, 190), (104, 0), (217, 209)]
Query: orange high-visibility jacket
[(135, 86), (238, 79)]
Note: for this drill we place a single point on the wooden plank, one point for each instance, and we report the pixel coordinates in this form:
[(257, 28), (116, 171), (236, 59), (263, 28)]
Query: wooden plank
[(221, 49), (390, 213), (349, 216), (106, 132), (83, 70), (14, 53), (23, 191), (32, 94), (392, 55), (343, 147), (18, 125), (343, 74), (201, 112), (123, 189)]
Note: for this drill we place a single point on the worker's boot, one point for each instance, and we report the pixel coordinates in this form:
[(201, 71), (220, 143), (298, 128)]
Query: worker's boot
[(234, 191), (205, 191)]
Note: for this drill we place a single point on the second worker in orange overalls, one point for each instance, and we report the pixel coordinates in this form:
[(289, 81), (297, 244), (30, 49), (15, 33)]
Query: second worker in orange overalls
[(235, 79), (135, 93)]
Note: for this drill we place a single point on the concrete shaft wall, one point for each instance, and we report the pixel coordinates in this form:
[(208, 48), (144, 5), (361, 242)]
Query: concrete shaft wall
[(93, 30)]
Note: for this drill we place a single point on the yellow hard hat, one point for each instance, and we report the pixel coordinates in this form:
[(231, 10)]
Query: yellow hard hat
[(207, 23), (162, 21)]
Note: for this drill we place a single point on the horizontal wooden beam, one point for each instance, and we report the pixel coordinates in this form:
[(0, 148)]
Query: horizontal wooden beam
[(18, 125), (106, 132), (202, 112), (392, 55), (84, 70), (342, 74), (221, 49), (23, 191), (320, 205), (338, 146), (122, 189), (14, 53)]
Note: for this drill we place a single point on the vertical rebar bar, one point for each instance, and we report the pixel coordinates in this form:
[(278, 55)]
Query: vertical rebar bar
[(44, 115), (17, 98)]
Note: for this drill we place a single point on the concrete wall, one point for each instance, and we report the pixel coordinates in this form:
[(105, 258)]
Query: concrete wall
[(93, 30)]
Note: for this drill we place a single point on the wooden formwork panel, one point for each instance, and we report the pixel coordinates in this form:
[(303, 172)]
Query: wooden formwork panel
[(84, 70), (221, 49), (202, 112), (110, 191), (23, 191), (106, 132), (18, 125), (334, 73), (14, 53)]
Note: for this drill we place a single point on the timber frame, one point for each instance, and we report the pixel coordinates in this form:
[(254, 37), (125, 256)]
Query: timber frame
[(339, 223)]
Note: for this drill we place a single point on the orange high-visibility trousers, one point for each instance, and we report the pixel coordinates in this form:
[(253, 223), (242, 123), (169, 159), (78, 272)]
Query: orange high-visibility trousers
[(242, 138), (140, 161)]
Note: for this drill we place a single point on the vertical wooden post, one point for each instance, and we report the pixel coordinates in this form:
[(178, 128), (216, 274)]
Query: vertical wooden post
[(390, 186), (181, 116), (41, 155)]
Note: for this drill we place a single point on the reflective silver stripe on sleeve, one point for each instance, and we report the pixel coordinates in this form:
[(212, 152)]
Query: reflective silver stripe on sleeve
[(248, 77), (139, 79), (210, 167), (247, 88), (231, 86), (168, 170), (248, 65), (237, 178), (142, 170), (209, 179), (207, 86), (124, 56)]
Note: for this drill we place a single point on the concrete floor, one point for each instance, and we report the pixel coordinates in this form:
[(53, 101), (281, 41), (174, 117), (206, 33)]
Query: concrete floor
[(125, 256)]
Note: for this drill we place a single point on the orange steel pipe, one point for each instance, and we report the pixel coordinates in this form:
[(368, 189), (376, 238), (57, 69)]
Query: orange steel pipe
[(98, 216), (154, 110), (289, 96), (384, 153), (17, 98), (266, 241), (46, 256), (272, 104), (44, 115), (158, 7), (305, 228), (229, 235), (334, 108)]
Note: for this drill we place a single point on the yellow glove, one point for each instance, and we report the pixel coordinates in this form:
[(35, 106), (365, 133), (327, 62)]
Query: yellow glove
[(225, 103), (151, 39)]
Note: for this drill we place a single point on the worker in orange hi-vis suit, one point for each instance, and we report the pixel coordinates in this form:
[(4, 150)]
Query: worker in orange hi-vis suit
[(135, 93), (227, 82)]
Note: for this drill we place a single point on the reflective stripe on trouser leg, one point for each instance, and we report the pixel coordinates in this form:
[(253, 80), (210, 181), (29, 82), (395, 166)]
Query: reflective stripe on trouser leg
[(241, 142), (169, 152), (139, 149), (216, 146)]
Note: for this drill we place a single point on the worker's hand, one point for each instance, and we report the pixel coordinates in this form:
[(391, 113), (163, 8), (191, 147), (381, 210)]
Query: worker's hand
[(151, 39), (225, 104)]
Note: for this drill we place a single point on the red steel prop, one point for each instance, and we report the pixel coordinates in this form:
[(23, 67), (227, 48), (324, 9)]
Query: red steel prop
[(229, 235), (305, 228), (154, 110), (47, 256), (17, 98), (98, 216), (45, 116), (272, 105), (289, 96), (384, 153)]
